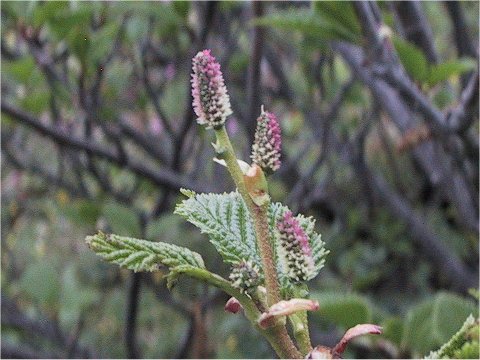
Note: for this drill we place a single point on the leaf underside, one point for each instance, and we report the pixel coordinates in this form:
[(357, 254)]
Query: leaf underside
[(142, 255)]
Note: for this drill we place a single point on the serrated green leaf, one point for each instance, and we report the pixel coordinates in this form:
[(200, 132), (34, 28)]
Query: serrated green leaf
[(188, 193), (412, 59), (227, 222), (142, 255), (225, 219)]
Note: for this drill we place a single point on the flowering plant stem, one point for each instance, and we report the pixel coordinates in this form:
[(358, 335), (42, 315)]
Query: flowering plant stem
[(277, 335), (300, 331)]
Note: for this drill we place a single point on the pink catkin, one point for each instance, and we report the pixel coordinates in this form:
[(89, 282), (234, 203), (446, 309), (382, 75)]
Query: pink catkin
[(211, 102), (296, 248), (266, 149)]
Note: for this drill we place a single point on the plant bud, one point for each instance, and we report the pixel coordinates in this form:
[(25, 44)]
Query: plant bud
[(210, 99), (233, 305), (246, 276), (266, 148), (295, 249)]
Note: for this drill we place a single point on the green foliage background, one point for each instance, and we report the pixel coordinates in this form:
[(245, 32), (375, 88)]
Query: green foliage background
[(375, 272)]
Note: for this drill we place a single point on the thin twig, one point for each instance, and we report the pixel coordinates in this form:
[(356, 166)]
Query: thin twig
[(133, 351), (164, 177)]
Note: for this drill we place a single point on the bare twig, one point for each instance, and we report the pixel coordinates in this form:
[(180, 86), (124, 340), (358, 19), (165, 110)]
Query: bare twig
[(164, 177), (133, 351), (435, 162), (44, 328), (37, 169), (445, 259), (465, 45), (462, 116), (416, 27)]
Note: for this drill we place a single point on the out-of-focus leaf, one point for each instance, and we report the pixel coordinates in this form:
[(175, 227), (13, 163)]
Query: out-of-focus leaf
[(21, 69), (412, 59), (433, 322), (393, 330), (308, 22), (36, 102), (341, 12), (417, 330), (70, 21), (47, 10), (136, 28), (74, 298), (121, 219), (82, 212), (41, 282), (345, 310), (164, 229), (449, 313), (78, 42), (174, 94), (181, 8), (462, 345), (101, 42), (442, 72)]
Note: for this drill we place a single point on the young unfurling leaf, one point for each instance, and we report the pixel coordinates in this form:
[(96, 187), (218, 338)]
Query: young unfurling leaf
[(141, 255)]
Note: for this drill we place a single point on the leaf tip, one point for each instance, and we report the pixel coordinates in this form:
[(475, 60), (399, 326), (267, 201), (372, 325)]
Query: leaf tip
[(188, 193)]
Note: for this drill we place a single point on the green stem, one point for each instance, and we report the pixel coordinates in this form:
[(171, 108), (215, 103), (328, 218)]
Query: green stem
[(300, 331), (258, 213), (276, 335), (260, 218), (227, 153), (281, 342)]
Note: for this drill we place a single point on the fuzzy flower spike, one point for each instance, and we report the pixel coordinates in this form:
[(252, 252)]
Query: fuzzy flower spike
[(268, 142), (295, 248), (246, 276), (210, 99)]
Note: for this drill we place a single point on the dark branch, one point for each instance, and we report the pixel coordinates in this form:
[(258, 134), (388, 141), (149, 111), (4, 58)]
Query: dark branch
[(133, 351), (416, 27), (44, 328), (435, 162), (465, 45), (163, 177)]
